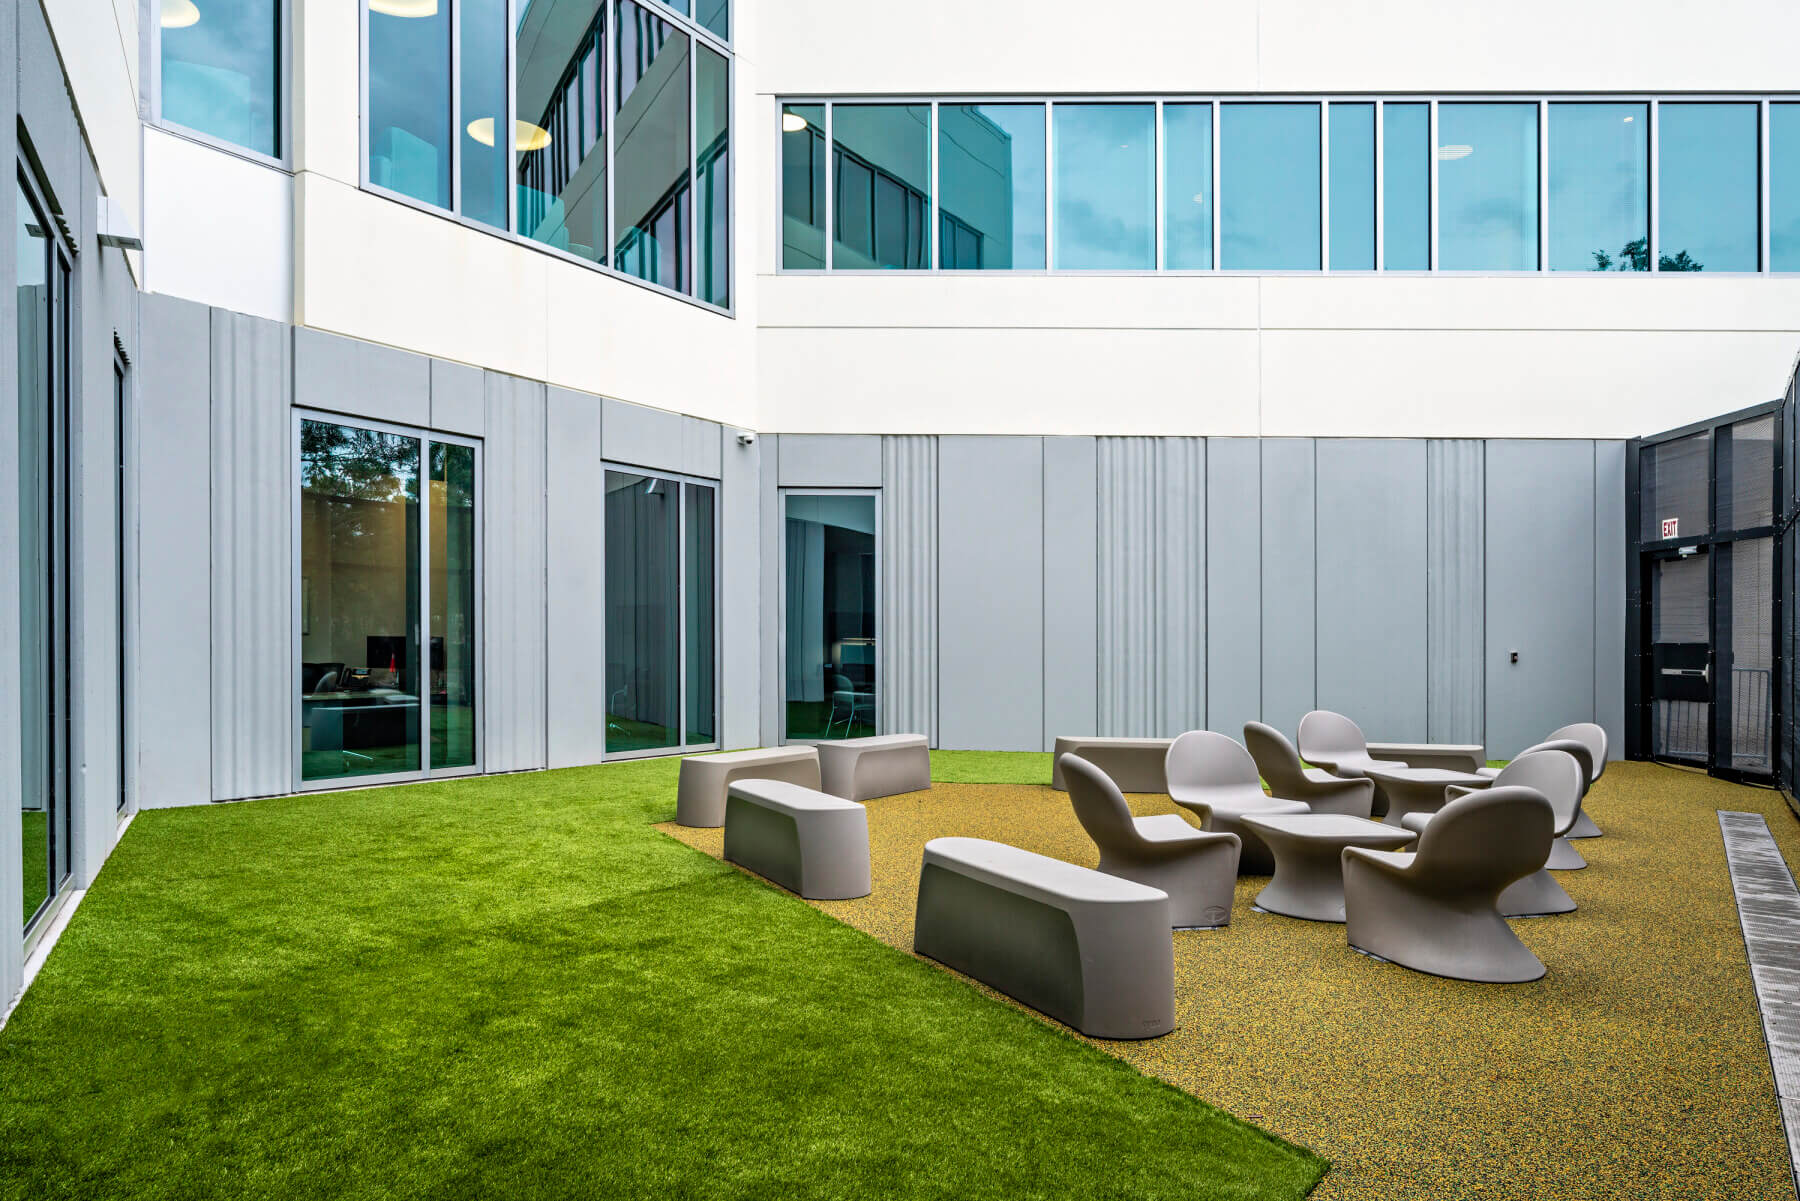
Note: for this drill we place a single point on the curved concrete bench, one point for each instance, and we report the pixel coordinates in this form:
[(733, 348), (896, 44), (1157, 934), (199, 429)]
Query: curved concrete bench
[(1091, 950), (700, 796), (805, 841), (861, 769), (1135, 764)]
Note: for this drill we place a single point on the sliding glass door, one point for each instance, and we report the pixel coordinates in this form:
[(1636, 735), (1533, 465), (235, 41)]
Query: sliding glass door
[(389, 564), (661, 613), (829, 616)]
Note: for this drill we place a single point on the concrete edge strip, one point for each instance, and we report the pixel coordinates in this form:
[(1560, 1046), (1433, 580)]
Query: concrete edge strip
[(1768, 906)]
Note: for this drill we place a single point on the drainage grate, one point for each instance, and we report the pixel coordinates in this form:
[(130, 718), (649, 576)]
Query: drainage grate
[(1769, 909)]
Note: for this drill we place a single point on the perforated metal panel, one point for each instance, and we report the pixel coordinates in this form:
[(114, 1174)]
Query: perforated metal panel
[(1677, 479)]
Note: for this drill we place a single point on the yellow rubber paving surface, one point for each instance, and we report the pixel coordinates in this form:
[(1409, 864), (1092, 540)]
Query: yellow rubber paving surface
[(1635, 1069)]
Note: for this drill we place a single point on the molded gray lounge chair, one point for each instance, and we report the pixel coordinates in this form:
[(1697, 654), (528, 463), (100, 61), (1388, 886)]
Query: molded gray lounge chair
[(1337, 744), (1557, 774), (1587, 742), (1291, 780), (1215, 779), (1436, 909), (1197, 869)]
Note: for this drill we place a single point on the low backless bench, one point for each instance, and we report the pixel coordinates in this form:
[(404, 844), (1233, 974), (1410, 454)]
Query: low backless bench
[(1135, 764), (802, 839), (700, 796), (861, 769)]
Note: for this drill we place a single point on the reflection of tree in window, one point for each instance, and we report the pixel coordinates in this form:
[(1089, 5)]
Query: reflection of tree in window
[(1635, 256)]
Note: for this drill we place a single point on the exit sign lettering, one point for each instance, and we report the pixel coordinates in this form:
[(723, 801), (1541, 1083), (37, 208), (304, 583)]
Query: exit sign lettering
[(1671, 527)]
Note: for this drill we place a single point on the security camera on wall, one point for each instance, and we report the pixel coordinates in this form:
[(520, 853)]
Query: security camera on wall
[(746, 439)]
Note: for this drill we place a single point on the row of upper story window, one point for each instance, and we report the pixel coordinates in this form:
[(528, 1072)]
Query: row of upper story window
[(1408, 184), (619, 112)]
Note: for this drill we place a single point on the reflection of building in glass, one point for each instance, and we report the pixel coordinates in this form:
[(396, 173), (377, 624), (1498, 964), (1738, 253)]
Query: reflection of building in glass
[(975, 174)]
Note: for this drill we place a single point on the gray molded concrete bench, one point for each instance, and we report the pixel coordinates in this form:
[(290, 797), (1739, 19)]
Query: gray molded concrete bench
[(1135, 764), (700, 796), (1445, 756), (861, 769), (805, 841), (1091, 950)]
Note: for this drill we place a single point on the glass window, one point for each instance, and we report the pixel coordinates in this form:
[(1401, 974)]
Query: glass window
[(1105, 187), (830, 615), (359, 602), (712, 160), (991, 178), (559, 135), (882, 171), (1187, 187), (1487, 156), (1352, 187), (409, 99), (650, 153), (221, 70), (1707, 187), (451, 523), (482, 26), (803, 185), (1269, 187), (698, 545), (1784, 187), (715, 15), (1406, 187), (1599, 187)]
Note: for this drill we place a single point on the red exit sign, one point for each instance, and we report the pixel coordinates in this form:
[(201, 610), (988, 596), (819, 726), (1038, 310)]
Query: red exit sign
[(1671, 527)]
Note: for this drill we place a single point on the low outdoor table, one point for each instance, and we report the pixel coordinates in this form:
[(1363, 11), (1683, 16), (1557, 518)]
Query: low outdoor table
[(1309, 868), (1418, 789)]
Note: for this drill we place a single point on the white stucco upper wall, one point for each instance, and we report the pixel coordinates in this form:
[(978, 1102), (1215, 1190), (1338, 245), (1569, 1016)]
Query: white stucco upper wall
[(98, 43)]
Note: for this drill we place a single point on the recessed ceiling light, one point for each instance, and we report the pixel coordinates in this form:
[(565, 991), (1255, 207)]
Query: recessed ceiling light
[(1199, 197), (1628, 120), (404, 8), (526, 136), (179, 14), (792, 123), (1448, 152)]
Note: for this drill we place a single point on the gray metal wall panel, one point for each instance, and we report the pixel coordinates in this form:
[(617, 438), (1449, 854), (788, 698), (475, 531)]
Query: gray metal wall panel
[(991, 593), (1233, 583), (831, 461), (645, 437), (1152, 586), (47, 117), (12, 917), (575, 706), (908, 477), (1071, 587), (252, 558), (1456, 600), (513, 554), (1289, 564), (769, 547), (700, 452), (1371, 556), (1610, 555), (459, 399), (362, 379), (740, 586), (1540, 589)]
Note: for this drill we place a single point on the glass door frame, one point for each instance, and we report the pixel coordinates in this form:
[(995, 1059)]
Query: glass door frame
[(1642, 557), (781, 593), (681, 746), (425, 771)]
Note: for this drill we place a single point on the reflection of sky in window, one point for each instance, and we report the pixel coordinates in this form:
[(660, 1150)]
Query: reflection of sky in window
[(409, 104), (1487, 187), (1406, 187), (1599, 186), (1269, 187), (991, 173), (1784, 187), (218, 74), (1187, 186), (1105, 186), (1707, 186), (483, 51), (1353, 187)]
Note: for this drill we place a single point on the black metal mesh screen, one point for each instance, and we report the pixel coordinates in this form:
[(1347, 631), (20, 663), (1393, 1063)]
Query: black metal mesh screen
[(1676, 480)]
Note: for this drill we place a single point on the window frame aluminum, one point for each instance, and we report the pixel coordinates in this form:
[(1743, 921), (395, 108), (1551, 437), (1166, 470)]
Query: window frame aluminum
[(150, 22), (781, 592)]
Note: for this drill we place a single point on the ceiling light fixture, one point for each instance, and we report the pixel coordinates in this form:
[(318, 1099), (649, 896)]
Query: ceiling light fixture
[(526, 136), (404, 8), (793, 123), (1450, 152), (179, 14)]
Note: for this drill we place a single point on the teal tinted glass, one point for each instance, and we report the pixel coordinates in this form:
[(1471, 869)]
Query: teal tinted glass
[(712, 178), (1784, 187), (409, 103), (829, 603), (1352, 187), (1269, 187), (1187, 186), (698, 545), (1406, 187), (653, 227), (1487, 157), (881, 164), (1105, 186), (803, 185), (1707, 187), (714, 15), (991, 180), (643, 612), (482, 28), (221, 70), (559, 134), (1599, 187)]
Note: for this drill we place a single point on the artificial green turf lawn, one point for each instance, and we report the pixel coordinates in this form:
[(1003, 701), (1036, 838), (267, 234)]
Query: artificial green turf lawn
[(513, 987), (34, 851), (991, 767)]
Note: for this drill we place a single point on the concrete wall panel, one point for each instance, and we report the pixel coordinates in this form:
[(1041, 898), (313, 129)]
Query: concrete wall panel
[(908, 477), (1289, 568), (574, 500), (1610, 554), (1071, 587), (831, 461), (1233, 583), (513, 588), (740, 590), (459, 399), (1456, 602), (361, 379)]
